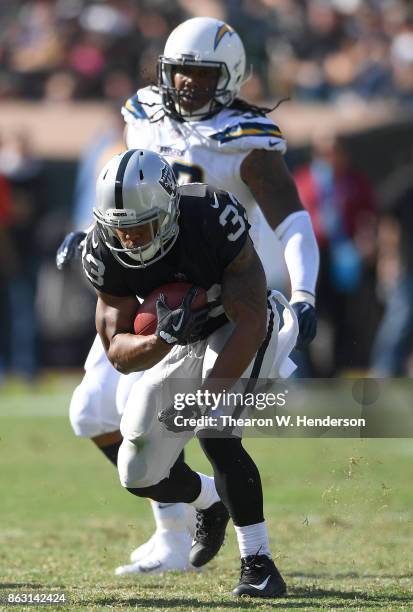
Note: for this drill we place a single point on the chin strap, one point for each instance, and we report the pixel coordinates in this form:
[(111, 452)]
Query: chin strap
[(170, 105)]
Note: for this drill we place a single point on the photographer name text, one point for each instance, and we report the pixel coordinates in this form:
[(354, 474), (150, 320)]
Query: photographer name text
[(276, 421)]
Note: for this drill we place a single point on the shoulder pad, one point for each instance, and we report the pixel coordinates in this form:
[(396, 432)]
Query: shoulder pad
[(210, 199), (242, 131), (142, 105), (134, 106), (93, 242)]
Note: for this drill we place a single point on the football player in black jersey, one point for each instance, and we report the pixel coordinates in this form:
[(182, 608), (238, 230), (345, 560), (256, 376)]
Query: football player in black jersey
[(197, 98), (147, 231)]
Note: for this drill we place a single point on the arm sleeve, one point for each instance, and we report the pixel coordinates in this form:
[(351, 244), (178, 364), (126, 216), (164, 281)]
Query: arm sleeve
[(300, 252)]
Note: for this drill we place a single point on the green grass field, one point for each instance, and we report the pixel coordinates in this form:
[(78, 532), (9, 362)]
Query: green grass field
[(340, 514)]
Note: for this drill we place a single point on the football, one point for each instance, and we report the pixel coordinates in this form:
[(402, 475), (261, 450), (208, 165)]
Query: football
[(146, 320)]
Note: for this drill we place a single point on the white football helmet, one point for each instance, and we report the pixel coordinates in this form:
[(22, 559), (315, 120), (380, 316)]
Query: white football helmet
[(135, 188), (208, 42)]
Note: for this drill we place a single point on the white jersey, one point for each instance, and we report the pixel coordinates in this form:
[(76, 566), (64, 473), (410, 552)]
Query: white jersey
[(208, 151)]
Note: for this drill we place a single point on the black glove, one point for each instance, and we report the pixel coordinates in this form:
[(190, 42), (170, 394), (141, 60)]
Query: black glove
[(181, 325), (167, 417), (70, 248), (307, 323)]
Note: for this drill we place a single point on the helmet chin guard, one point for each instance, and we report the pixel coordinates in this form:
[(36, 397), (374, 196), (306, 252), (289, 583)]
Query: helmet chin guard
[(202, 42), (138, 188)]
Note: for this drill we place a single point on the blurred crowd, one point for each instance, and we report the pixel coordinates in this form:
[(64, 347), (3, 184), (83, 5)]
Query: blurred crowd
[(311, 50), (46, 318), (22, 203), (335, 51)]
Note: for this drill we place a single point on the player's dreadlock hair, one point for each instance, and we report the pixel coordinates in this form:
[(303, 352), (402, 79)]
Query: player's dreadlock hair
[(245, 107), (168, 108)]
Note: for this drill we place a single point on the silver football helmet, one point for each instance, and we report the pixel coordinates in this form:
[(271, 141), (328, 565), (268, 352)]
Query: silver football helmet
[(203, 42), (136, 188)]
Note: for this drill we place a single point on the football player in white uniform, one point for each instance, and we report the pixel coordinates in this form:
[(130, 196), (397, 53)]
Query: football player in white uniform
[(195, 120)]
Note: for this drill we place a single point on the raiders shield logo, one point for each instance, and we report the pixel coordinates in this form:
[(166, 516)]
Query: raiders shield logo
[(167, 179)]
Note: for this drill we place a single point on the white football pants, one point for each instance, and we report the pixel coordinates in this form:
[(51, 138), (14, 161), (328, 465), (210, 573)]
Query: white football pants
[(148, 450)]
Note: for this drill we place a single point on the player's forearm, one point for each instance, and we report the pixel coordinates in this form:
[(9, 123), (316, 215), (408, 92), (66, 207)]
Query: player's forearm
[(129, 353), (245, 303)]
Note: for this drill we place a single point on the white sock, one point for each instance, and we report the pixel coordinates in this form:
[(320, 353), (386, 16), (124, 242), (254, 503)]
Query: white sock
[(208, 495), (253, 539), (169, 516)]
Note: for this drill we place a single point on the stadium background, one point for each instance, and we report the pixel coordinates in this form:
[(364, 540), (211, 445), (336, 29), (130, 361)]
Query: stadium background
[(67, 66), (339, 511)]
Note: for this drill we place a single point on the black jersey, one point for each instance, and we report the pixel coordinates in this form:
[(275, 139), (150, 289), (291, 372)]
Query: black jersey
[(213, 228)]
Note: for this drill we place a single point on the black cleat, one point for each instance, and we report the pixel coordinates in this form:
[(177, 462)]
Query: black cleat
[(259, 578), (209, 535)]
